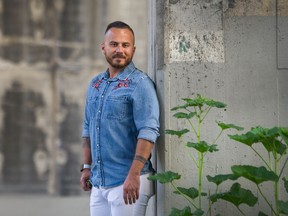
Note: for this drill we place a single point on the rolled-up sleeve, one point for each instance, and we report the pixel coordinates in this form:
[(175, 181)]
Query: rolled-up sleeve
[(85, 126), (146, 110)]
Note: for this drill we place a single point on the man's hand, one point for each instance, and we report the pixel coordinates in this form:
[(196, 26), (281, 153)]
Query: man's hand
[(131, 188), (84, 180)]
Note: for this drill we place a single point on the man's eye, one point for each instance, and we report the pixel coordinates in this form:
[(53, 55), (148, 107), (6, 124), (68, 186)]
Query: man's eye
[(113, 44)]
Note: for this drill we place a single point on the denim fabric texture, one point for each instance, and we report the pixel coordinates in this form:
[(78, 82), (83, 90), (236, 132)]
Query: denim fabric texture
[(118, 112)]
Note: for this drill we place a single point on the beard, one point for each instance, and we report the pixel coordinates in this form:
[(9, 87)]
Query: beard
[(118, 64)]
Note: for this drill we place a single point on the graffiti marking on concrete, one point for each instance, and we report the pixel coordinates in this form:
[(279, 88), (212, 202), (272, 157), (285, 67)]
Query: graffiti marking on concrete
[(200, 46)]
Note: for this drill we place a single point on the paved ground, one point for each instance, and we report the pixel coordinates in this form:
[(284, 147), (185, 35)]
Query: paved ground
[(28, 205), (44, 206)]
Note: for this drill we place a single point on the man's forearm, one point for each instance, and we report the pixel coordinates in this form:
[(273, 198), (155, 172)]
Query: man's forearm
[(131, 185), (86, 151), (143, 151), (86, 159)]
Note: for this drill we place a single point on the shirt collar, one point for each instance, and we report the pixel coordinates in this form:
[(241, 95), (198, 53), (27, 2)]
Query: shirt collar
[(122, 75)]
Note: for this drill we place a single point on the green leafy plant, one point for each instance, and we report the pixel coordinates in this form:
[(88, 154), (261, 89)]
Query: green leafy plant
[(194, 111), (274, 141)]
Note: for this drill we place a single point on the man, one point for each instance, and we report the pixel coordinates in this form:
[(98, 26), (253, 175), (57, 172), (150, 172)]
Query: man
[(121, 125)]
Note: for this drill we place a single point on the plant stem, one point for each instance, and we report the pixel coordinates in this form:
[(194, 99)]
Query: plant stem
[(187, 198), (284, 165), (262, 159), (266, 200), (192, 126), (276, 185), (200, 155), (215, 140), (193, 159), (240, 211), (210, 203), (200, 161), (208, 110)]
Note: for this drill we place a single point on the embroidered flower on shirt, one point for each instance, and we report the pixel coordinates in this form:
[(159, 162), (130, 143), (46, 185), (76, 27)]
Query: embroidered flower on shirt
[(97, 84), (122, 83)]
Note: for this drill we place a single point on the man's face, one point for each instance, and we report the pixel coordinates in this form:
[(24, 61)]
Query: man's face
[(118, 47)]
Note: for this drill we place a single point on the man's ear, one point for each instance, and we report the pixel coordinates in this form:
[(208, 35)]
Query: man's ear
[(134, 49), (102, 47)]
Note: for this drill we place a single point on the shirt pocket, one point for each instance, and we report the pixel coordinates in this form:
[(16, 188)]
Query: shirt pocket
[(92, 104), (117, 107)]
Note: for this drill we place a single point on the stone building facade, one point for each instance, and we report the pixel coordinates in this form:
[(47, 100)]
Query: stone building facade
[(49, 50)]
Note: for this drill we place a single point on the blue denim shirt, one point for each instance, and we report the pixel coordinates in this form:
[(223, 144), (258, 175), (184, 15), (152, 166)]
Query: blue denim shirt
[(119, 111)]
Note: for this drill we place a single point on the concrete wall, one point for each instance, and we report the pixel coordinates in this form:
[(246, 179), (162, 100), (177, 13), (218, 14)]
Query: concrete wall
[(227, 51)]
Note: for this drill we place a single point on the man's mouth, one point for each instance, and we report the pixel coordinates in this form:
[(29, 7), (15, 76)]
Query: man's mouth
[(119, 56)]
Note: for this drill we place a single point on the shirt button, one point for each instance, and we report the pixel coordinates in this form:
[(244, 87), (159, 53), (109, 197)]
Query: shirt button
[(98, 161)]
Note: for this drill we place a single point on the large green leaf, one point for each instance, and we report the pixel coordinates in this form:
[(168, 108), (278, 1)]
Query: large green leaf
[(213, 103), (224, 126), (190, 192), (262, 214), (248, 138), (198, 212), (285, 184), (254, 174), (201, 101), (280, 148), (179, 107), (202, 146), (283, 207), (183, 212), (182, 115), (269, 138), (236, 196), (218, 179), (165, 177), (264, 132), (274, 145), (284, 134), (177, 133)]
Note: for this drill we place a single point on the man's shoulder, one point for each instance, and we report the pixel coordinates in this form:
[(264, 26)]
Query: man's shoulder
[(133, 72), (99, 76), (139, 73)]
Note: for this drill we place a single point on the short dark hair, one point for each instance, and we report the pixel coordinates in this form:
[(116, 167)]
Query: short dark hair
[(119, 24)]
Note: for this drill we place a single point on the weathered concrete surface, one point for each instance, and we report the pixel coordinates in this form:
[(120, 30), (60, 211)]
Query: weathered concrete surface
[(227, 51)]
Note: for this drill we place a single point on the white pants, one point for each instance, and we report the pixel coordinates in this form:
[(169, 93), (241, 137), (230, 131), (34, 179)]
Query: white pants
[(110, 202)]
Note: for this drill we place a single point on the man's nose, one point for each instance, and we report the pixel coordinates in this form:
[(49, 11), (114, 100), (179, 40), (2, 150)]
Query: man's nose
[(119, 48)]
